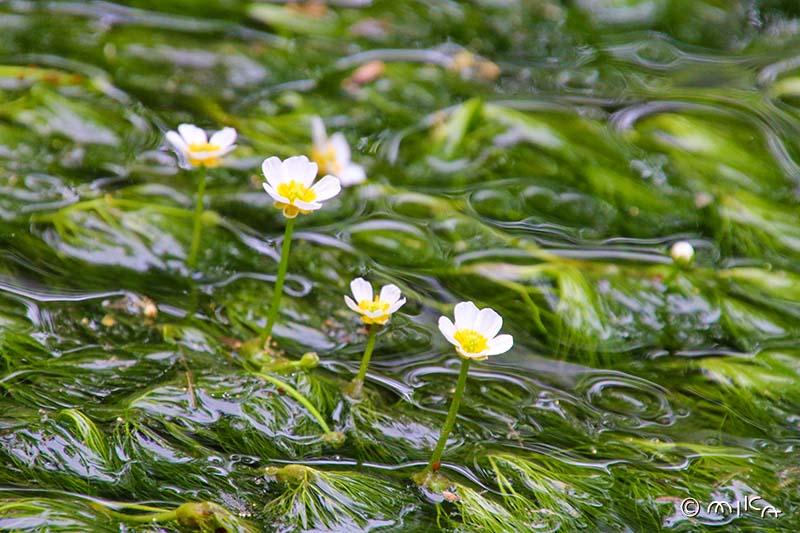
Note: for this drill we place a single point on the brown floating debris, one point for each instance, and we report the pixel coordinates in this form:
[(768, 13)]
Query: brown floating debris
[(313, 8), (450, 496), (366, 73), (473, 66)]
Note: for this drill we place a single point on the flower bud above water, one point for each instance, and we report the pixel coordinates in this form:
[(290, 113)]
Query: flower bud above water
[(682, 253)]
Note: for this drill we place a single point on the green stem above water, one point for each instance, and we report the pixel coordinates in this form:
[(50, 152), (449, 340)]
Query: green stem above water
[(451, 417), (373, 335), (278, 291), (198, 217), (353, 389)]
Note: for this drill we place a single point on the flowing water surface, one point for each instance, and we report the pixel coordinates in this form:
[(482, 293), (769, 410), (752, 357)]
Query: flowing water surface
[(535, 156)]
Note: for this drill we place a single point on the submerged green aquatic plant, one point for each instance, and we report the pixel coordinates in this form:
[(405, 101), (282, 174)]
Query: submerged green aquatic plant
[(375, 312), (460, 507), (291, 185), (70, 513), (312, 499), (196, 150), (478, 511), (557, 493), (334, 438), (200, 517)]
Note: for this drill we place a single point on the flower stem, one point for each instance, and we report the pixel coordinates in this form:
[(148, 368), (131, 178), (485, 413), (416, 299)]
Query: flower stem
[(198, 217), (373, 335), (353, 389), (294, 393), (669, 278), (278, 291), (451, 417), (189, 381)]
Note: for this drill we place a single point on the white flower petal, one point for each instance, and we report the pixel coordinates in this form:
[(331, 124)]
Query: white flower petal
[(226, 151), (500, 344), (271, 168), (307, 206), (298, 168), (274, 194), (340, 147), (397, 305), (448, 329), (466, 313), (326, 188), (177, 142), (390, 294), (488, 322), (223, 138), (352, 305), (272, 171), (318, 135), (192, 134), (362, 289), (352, 174)]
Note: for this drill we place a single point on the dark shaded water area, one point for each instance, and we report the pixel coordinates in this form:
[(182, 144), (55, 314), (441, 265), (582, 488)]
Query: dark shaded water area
[(538, 157)]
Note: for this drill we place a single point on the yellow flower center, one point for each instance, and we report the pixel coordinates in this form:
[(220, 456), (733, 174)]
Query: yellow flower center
[(198, 148), (471, 341), (326, 159), (373, 306), (294, 190), (203, 147)]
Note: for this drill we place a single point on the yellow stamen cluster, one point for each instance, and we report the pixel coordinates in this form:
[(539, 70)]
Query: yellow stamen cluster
[(209, 162), (294, 190), (471, 341), (326, 159), (371, 307)]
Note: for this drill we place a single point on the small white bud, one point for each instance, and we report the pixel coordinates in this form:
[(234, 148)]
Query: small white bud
[(682, 253)]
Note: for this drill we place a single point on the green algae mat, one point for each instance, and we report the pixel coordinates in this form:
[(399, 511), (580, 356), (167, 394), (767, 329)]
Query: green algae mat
[(539, 157)]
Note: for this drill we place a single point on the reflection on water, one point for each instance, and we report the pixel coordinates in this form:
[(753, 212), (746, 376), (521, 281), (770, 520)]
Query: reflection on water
[(536, 157)]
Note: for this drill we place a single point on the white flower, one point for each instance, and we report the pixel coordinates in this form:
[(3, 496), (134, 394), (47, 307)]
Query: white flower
[(195, 148), (377, 310), (332, 154), (290, 182), (682, 252), (475, 332)]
